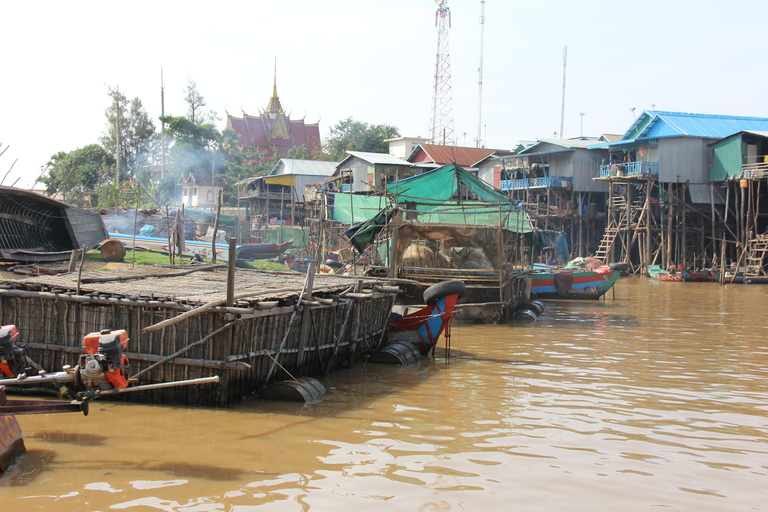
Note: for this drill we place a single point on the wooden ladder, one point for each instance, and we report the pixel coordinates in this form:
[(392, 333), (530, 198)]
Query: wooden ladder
[(609, 237), (755, 256)]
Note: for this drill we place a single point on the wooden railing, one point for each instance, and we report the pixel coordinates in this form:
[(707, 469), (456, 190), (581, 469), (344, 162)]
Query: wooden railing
[(756, 170), (543, 182), (629, 169)]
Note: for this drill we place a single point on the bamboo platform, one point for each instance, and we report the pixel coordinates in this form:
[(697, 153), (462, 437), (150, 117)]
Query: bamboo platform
[(266, 335)]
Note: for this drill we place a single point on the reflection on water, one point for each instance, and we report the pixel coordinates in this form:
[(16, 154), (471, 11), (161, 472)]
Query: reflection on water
[(658, 398)]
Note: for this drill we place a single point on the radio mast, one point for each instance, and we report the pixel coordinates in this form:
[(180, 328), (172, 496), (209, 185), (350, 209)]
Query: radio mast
[(562, 106), (479, 138), (441, 124)]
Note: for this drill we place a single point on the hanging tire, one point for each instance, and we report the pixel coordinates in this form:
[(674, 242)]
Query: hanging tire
[(621, 265), (443, 289), (334, 263)]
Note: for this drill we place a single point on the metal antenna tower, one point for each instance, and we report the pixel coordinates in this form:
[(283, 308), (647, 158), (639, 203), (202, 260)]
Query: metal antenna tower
[(480, 80), (441, 124), (562, 105)]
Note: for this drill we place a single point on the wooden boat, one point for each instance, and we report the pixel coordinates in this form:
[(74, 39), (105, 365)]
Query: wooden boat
[(35, 228), (11, 440), (659, 274), (423, 327), (203, 248), (191, 247), (262, 251), (297, 264), (564, 284), (701, 276), (103, 369)]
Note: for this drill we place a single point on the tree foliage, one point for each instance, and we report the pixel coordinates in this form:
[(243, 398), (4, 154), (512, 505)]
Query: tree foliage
[(351, 135), (78, 174), (197, 108), (137, 133)]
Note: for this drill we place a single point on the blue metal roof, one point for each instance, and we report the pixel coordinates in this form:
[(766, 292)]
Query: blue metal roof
[(656, 124)]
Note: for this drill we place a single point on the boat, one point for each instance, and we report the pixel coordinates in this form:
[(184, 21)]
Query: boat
[(701, 276), (11, 440), (35, 228), (262, 251), (659, 274), (103, 370), (297, 264), (566, 284), (203, 248), (423, 327)]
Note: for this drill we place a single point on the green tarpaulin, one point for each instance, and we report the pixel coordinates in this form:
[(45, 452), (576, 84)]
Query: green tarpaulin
[(362, 235), (427, 199)]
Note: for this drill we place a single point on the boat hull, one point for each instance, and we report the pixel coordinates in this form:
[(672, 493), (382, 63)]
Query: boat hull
[(423, 327), (35, 228), (191, 247), (11, 442), (572, 285), (262, 251), (658, 274), (698, 276)]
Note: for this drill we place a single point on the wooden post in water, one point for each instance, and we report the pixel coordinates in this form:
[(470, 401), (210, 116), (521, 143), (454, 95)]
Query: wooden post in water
[(392, 271), (305, 319), (648, 217), (670, 211)]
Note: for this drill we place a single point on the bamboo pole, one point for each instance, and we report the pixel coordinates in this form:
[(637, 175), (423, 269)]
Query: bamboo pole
[(216, 226), (305, 320), (231, 272)]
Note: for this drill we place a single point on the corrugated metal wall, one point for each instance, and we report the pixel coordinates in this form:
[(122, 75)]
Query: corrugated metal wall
[(727, 159), (684, 159)]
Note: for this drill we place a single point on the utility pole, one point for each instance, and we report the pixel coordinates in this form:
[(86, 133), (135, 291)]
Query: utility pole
[(479, 139), (582, 124), (117, 149), (562, 107), (162, 126)]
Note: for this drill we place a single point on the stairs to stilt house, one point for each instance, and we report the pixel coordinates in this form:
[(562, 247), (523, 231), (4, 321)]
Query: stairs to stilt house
[(609, 237), (756, 255)]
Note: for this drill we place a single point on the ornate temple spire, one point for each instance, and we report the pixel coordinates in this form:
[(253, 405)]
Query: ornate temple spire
[(274, 106)]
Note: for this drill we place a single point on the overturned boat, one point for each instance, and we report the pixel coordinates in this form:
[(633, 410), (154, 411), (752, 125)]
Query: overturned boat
[(35, 228)]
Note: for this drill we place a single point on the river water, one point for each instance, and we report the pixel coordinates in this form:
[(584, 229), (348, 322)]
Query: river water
[(655, 399)]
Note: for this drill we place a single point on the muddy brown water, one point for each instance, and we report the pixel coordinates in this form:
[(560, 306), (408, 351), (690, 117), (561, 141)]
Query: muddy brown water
[(655, 400)]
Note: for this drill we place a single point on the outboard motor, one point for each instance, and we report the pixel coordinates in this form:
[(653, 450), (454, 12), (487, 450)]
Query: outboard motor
[(105, 359), (13, 359)]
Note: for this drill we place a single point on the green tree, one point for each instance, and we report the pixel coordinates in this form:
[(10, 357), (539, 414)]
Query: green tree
[(137, 133), (78, 174), (351, 135), (197, 108)]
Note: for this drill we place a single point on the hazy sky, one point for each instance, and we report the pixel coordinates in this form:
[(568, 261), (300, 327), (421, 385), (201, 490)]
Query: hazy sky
[(374, 62)]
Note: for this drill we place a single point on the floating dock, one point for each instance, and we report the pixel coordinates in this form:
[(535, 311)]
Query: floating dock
[(279, 325)]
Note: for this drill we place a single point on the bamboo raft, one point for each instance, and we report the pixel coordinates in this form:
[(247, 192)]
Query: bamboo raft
[(278, 325)]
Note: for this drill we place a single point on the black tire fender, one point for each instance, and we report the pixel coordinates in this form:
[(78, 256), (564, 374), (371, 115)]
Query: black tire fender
[(443, 289)]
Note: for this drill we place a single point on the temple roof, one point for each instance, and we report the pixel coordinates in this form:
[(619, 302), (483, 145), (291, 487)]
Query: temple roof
[(272, 131)]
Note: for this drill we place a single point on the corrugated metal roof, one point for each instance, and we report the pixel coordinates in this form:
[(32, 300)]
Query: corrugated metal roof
[(657, 124), (307, 167), (377, 158), (565, 143), (465, 157)]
